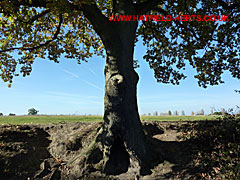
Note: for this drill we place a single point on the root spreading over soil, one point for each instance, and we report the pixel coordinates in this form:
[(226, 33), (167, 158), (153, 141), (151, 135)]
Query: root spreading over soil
[(60, 151)]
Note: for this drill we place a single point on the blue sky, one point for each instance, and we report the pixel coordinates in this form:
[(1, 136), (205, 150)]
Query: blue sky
[(69, 88)]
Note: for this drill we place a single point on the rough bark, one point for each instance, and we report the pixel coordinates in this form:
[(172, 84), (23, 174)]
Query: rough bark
[(121, 139)]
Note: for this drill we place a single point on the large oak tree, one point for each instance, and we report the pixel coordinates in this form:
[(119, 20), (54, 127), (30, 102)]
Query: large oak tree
[(78, 29)]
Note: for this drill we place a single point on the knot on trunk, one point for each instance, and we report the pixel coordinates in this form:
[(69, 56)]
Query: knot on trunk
[(116, 79), (114, 86)]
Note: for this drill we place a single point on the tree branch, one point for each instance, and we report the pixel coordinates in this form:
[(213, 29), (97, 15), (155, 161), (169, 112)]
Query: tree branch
[(147, 6), (162, 11), (101, 24), (35, 3), (34, 18), (114, 6), (41, 4), (40, 45), (188, 29), (226, 5), (43, 13)]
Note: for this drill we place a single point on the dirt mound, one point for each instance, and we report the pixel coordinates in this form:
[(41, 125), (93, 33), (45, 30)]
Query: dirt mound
[(23, 149), (56, 151)]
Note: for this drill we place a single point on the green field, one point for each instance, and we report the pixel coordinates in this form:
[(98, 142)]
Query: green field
[(64, 119), (178, 118), (47, 119)]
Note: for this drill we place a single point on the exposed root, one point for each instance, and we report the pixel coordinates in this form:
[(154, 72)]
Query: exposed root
[(114, 159)]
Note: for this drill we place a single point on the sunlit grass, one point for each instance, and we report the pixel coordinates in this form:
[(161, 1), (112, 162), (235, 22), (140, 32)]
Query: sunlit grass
[(47, 119), (178, 118), (66, 118)]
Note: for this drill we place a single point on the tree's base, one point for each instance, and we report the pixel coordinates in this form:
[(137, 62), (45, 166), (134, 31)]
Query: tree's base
[(114, 159), (56, 152), (76, 153), (119, 161), (85, 157)]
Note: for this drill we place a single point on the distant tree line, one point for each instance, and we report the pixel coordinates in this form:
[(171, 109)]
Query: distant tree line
[(175, 113), (10, 114), (31, 111), (222, 112)]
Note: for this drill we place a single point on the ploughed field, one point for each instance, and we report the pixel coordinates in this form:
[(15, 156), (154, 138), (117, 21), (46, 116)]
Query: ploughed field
[(182, 147)]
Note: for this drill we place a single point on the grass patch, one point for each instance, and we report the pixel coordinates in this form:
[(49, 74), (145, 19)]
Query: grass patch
[(66, 119), (47, 119), (178, 118)]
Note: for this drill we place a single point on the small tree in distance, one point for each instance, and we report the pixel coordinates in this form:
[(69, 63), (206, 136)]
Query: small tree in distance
[(32, 111), (223, 112), (1, 114), (169, 113), (201, 112), (176, 113), (183, 113)]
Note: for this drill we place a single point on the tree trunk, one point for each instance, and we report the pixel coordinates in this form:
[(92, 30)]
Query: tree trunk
[(122, 137)]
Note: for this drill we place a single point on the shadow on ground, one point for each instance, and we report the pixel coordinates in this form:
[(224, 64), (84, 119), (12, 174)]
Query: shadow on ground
[(44, 152), (170, 155), (23, 149)]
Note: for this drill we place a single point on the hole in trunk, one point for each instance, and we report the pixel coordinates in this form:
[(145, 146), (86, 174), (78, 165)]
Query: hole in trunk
[(119, 158)]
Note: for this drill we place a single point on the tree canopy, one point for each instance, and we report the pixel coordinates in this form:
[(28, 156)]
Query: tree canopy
[(53, 28), (32, 111), (78, 29)]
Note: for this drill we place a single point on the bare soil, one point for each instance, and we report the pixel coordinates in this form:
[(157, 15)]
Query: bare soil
[(55, 151)]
